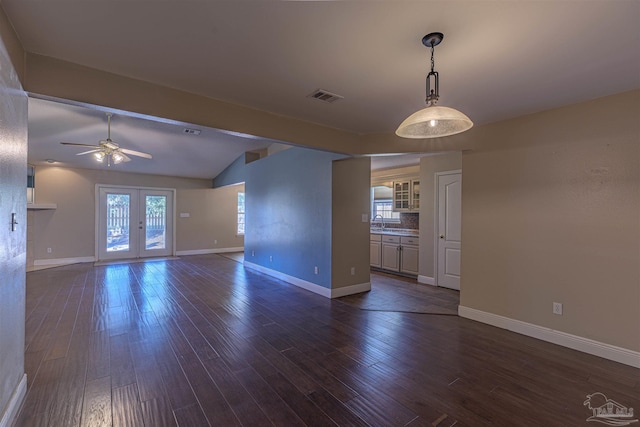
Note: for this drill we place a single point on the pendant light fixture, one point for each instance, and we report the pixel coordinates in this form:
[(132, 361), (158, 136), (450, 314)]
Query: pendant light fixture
[(433, 121)]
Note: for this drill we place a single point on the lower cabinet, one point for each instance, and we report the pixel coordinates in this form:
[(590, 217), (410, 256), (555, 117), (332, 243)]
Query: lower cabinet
[(391, 252), (395, 253), (409, 262), (375, 250)]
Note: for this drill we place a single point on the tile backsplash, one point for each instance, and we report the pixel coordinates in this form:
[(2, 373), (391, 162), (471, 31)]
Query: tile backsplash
[(407, 221)]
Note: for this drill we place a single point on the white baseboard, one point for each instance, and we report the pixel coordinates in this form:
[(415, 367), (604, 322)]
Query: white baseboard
[(350, 290), (426, 280), (63, 261), (10, 413), (209, 251), (316, 289), (586, 345)]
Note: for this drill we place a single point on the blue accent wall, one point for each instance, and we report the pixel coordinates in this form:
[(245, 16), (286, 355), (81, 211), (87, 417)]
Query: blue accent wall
[(288, 213), (235, 173)]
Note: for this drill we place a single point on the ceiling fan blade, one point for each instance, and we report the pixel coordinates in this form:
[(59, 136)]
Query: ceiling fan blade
[(80, 145), (88, 152), (136, 153)]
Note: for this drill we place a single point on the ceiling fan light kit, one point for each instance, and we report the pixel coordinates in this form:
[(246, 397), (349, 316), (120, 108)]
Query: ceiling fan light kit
[(433, 121), (109, 150)]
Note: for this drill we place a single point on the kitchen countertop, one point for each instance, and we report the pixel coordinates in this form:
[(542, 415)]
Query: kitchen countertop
[(396, 231)]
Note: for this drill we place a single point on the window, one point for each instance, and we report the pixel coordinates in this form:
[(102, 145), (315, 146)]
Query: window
[(240, 230), (384, 207)]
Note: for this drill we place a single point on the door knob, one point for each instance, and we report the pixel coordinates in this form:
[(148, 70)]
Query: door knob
[(442, 236)]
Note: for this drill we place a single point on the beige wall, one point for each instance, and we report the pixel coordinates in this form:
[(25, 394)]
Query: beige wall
[(212, 221), (70, 229), (349, 234), (429, 165), (551, 212)]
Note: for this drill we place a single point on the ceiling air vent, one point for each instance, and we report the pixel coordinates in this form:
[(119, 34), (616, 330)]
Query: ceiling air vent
[(192, 131), (325, 96)]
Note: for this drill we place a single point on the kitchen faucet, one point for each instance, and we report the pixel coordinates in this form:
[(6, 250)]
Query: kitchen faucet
[(381, 220)]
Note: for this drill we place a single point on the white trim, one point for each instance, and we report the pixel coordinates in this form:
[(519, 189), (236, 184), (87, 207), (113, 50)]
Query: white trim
[(586, 345), (350, 290), (9, 415), (426, 280), (63, 261), (210, 251), (316, 289)]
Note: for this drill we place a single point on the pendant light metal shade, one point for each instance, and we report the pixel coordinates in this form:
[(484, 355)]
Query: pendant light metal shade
[(434, 121)]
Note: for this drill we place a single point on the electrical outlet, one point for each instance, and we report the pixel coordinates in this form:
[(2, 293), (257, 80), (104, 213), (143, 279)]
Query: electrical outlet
[(270, 258), (353, 271), (557, 308), (253, 253), (215, 242), (49, 250), (315, 270)]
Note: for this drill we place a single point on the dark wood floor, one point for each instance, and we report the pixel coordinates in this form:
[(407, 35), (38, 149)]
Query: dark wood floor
[(400, 294), (202, 341)]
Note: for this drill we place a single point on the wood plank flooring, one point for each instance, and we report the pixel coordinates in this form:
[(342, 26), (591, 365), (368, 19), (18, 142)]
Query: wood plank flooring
[(202, 341)]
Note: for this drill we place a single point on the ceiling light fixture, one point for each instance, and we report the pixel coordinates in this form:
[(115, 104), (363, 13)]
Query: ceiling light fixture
[(433, 121)]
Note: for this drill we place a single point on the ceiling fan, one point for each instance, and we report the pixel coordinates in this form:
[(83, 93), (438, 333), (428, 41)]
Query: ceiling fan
[(107, 149)]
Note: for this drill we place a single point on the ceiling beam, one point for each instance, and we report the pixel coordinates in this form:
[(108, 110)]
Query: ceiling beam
[(53, 78)]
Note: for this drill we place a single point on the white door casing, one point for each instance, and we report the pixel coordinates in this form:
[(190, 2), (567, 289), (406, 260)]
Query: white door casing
[(449, 228)]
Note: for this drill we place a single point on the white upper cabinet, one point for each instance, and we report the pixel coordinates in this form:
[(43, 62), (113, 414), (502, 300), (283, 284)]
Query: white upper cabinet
[(406, 195)]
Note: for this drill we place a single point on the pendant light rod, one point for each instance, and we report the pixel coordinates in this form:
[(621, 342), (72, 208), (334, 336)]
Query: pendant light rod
[(432, 40)]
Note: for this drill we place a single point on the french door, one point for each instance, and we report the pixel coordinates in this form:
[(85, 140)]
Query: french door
[(134, 223)]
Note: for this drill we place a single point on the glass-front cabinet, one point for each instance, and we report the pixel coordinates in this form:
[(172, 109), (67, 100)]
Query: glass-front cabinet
[(406, 195)]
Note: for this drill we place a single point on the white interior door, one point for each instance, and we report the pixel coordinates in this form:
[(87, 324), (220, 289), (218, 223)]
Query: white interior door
[(134, 223), (449, 229)]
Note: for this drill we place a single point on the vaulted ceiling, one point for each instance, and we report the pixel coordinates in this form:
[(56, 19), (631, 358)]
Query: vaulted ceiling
[(499, 59)]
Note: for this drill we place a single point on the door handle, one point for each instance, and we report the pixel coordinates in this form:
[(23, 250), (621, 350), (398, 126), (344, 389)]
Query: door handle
[(442, 236), (14, 222)]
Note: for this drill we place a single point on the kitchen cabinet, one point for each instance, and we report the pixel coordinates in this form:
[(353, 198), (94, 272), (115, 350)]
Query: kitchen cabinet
[(395, 253), (391, 252), (409, 251), (375, 250), (406, 195)]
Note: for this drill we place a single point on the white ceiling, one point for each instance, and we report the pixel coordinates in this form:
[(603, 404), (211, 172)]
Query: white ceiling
[(174, 152), (499, 59)]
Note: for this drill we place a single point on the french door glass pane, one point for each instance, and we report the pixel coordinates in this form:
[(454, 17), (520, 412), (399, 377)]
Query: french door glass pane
[(156, 219), (118, 211)]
